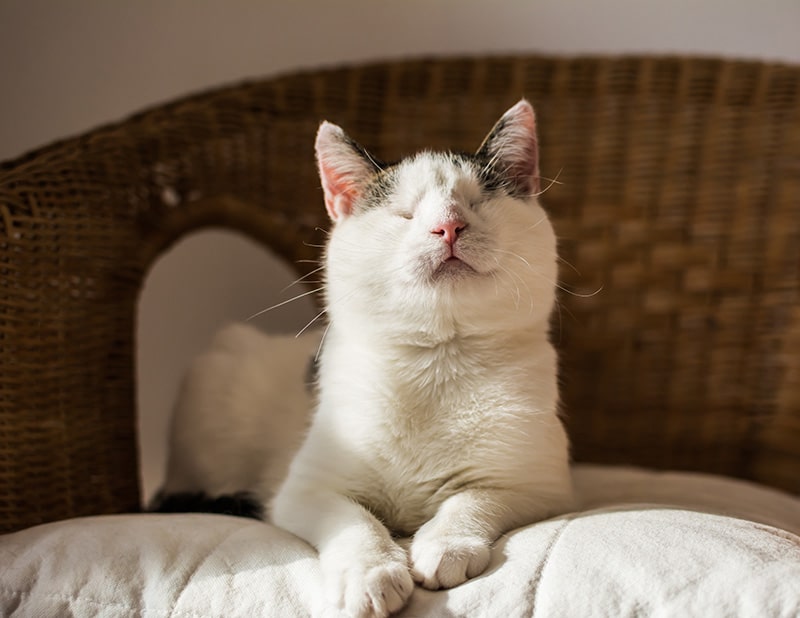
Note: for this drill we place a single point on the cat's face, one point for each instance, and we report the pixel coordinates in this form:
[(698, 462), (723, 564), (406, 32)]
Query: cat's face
[(439, 241)]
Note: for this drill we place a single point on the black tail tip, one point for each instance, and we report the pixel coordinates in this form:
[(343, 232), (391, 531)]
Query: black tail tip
[(239, 504)]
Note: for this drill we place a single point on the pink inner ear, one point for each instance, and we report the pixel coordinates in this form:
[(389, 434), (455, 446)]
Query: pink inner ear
[(340, 191), (525, 115)]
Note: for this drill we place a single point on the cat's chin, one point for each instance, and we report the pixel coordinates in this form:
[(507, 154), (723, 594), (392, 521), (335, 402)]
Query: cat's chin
[(452, 269)]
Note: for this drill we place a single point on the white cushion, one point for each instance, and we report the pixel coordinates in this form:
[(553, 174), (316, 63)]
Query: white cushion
[(643, 544)]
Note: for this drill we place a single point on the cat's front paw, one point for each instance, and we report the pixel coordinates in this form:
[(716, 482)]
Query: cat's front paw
[(369, 590), (447, 561)]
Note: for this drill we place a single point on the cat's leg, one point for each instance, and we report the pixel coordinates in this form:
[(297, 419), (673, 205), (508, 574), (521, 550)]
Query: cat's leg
[(365, 572), (455, 545)]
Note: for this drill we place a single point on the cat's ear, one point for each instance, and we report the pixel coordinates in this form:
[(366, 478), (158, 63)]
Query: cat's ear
[(511, 150), (344, 168)]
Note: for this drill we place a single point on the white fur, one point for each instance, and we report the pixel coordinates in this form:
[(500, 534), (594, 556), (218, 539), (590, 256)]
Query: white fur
[(437, 415), (438, 409)]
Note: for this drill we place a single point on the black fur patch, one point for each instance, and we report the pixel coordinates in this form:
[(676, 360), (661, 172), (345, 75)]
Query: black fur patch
[(240, 504), (490, 178), (379, 188), (384, 182)]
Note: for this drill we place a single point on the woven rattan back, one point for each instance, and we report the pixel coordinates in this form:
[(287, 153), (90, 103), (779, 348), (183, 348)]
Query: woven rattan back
[(677, 206)]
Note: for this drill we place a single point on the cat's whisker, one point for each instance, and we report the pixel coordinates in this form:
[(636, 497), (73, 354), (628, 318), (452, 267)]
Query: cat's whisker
[(508, 270), (489, 167), (516, 255), (517, 290), (285, 302), (303, 279), (553, 181), (528, 264), (314, 319), (372, 160), (563, 306), (553, 253), (538, 223), (530, 295), (321, 342), (579, 294), (554, 283), (323, 230), (563, 261), (306, 282)]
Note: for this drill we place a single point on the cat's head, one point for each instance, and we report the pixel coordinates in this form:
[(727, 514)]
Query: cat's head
[(438, 243)]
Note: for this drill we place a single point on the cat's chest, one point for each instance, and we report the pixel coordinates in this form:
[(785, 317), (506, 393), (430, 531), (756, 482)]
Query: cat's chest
[(422, 424), (413, 472), (430, 395), (434, 424)]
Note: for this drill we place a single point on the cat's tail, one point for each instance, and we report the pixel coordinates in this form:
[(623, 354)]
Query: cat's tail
[(239, 504)]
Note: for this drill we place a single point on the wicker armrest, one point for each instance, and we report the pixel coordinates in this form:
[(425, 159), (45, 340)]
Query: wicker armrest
[(678, 203), (80, 224)]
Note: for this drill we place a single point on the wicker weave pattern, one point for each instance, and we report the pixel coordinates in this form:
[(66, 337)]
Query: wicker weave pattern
[(677, 205)]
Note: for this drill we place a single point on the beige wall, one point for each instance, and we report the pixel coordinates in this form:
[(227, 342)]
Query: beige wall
[(68, 65)]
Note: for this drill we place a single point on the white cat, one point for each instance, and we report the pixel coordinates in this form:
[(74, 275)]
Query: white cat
[(437, 409)]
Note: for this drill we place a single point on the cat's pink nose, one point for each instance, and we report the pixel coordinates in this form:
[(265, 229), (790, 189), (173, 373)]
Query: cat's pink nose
[(449, 230)]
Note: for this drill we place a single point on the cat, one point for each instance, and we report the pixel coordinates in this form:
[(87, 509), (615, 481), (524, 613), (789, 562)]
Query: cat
[(436, 427)]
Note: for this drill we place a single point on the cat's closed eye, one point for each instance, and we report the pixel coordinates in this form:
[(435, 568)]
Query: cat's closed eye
[(471, 195)]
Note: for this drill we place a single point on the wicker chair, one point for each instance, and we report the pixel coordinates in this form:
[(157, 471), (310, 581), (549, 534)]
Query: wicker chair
[(677, 204)]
